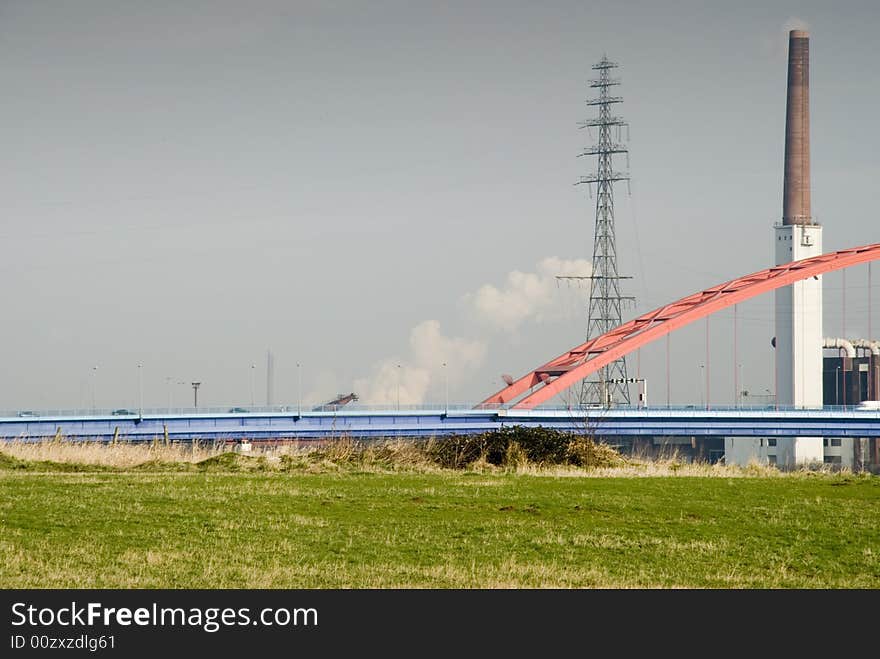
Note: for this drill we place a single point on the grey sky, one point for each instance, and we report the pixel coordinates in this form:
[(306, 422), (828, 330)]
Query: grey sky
[(188, 184)]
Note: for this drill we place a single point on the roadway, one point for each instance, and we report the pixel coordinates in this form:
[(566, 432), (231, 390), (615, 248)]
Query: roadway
[(354, 422)]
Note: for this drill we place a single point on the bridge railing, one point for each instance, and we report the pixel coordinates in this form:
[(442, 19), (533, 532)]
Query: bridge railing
[(427, 408)]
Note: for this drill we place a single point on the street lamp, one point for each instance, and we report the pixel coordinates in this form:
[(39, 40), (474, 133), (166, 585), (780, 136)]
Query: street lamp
[(140, 390), (253, 386), (94, 378), (299, 386), (446, 386), (398, 387), (195, 386)]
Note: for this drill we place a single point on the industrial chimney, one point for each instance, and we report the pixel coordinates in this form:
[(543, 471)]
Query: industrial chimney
[(799, 334), (796, 186)]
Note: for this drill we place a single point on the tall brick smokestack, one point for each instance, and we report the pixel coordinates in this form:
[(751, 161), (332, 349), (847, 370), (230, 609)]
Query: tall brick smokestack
[(796, 186), (798, 315)]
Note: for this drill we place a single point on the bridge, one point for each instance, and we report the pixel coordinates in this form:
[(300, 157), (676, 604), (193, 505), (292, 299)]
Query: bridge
[(375, 423), (573, 366), (521, 403)]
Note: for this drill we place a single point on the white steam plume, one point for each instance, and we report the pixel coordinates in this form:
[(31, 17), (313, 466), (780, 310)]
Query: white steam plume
[(775, 43), (525, 295), (794, 23), (410, 380)]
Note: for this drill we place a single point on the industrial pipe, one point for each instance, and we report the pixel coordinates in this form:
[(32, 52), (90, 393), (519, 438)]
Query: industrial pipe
[(840, 344), (867, 344)]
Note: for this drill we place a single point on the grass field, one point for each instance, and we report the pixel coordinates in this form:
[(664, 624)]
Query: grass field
[(231, 522)]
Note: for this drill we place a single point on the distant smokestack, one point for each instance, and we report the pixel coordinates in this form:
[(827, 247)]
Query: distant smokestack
[(796, 186)]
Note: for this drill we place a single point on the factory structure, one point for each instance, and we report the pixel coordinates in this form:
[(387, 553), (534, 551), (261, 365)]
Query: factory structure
[(805, 379)]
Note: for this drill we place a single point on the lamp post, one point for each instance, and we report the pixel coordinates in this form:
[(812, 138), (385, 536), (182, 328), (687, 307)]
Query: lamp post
[(140, 390), (253, 385), (94, 378), (446, 387), (398, 387), (299, 386), (195, 386)]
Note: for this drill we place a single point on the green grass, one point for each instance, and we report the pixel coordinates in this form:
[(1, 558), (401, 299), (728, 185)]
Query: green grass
[(214, 527)]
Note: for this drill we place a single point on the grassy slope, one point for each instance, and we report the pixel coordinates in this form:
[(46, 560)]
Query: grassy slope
[(358, 530)]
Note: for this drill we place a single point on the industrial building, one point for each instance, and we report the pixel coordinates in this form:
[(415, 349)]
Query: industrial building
[(805, 378)]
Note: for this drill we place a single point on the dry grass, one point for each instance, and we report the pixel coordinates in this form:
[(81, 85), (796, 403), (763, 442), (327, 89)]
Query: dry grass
[(646, 467), (369, 456), (120, 455)]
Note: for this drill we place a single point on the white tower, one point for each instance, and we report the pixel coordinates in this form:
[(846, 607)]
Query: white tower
[(799, 306)]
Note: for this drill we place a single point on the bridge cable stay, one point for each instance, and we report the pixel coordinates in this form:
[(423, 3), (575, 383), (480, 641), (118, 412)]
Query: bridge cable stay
[(707, 362), (668, 381), (735, 359)]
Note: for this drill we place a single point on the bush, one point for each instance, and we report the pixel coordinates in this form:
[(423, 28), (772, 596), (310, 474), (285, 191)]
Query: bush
[(515, 445), (584, 452), (515, 456)]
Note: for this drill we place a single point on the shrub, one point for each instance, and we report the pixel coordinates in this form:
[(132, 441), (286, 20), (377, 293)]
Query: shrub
[(515, 456), (515, 445), (584, 452)]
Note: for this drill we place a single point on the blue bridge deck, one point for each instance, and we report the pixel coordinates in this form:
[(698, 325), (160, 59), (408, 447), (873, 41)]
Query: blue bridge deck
[(427, 422)]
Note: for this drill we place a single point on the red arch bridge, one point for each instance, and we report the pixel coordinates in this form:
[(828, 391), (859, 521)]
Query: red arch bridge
[(575, 365)]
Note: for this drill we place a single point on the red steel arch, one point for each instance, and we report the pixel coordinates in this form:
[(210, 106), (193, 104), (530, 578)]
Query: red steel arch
[(573, 366)]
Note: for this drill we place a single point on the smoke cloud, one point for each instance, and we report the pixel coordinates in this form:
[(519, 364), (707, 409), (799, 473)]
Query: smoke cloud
[(411, 380), (421, 375), (525, 295), (794, 23), (775, 43)]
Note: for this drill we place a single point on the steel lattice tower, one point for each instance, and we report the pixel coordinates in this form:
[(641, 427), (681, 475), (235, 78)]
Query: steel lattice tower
[(604, 313)]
